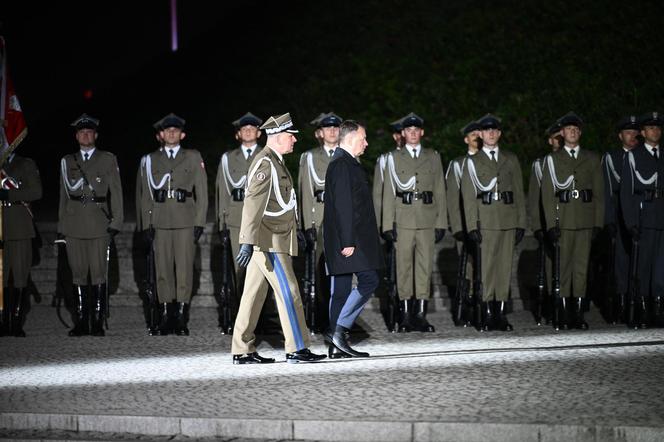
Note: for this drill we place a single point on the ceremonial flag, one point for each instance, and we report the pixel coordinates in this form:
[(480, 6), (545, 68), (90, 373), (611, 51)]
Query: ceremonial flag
[(12, 122)]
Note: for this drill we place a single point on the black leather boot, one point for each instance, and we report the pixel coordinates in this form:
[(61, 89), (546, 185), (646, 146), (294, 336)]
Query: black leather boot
[(621, 313), (658, 311), (503, 323), (98, 312), (82, 326), (20, 295), (563, 317), (420, 322), (641, 313), (487, 317), (6, 316), (406, 322), (164, 321), (340, 340), (579, 322), (181, 319)]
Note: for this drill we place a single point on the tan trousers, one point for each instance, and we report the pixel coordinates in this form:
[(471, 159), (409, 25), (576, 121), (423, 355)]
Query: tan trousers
[(497, 253), (16, 260), (414, 262), (574, 256), (275, 269), (87, 255), (174, 262)]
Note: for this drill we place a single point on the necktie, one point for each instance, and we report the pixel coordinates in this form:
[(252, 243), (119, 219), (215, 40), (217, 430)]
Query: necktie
[(573, 153), (493, 155), (248, 153), (170, 154), (654, 153), (331, 152), (86, 157)]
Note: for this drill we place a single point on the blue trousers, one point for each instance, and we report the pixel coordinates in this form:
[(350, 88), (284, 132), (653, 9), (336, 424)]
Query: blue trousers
[(346, 302)]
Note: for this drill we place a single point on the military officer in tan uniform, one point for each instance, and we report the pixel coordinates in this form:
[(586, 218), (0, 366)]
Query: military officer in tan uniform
[(573, 205), (174, 202), (20, 185), (455, 214), (414, 202), (495, 213), (268, 240), (232, 177), (91, 212)]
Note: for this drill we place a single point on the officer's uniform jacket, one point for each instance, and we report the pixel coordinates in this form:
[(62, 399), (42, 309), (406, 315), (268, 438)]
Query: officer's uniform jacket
[(561, 172), (403, 173), (90, 195), (612, 164), (535, 214), (311, 181), (232, 174), (482, 174), (453, 178), (186, 172), (25, 187), (269, 215), (642, 189)]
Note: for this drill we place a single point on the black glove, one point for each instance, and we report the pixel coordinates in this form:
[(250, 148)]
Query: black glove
[(148, 234), (390, 235), (554, 233), (4, 194), (635, 233), (113, 232), (612, 230), (459, 236), (440, 234), (301, 240), (198, 231), (243, 258), (475, 236), (518, 235), (60, 239), (539, 235), (310, 235), (596, 231)]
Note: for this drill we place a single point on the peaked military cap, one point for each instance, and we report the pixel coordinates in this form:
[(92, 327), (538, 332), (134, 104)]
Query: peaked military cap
[(554, 128), (279, 123), (172, 120), (570, 119), (330, 119), (629, 122), (247, 119), (85, 121), (489, 121), (316, 121), (157, 124), (397, 126), (412, 119), (651, 119), (470, 127)]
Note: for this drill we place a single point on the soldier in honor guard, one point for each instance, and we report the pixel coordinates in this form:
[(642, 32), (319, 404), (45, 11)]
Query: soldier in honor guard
[(311, 192), (573, 202), (379, 172), (612, 162), (268, 241), (642, 204), (414, 215), (537, 224), (231, 180), (495, 213), (455, 213), (20, 185), (90, 214), (174, 201)]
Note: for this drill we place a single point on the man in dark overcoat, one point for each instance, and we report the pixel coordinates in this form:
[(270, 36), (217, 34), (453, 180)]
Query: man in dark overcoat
[(352, 244)]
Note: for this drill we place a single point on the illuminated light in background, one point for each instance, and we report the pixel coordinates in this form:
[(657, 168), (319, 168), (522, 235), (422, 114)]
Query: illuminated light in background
[(87, 94), (174, 26)]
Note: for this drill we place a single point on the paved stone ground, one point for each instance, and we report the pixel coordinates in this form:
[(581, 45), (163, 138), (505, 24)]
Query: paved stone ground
[(455, 384)]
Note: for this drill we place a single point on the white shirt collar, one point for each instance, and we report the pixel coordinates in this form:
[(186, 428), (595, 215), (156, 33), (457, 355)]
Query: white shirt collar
[(576, 150), (650, 148), (625, 149), (244, 150), (175, 150), (414, 150), (328, 149), (488, 150), (281, 157), (89, 152)]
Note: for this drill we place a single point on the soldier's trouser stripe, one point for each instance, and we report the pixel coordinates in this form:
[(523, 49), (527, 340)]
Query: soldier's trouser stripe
[(285, 293)]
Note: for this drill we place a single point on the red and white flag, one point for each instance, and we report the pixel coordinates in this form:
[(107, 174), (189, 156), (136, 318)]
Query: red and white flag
[(12, 122)]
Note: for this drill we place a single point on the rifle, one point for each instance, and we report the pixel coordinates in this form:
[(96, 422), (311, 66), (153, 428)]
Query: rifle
[(555, 283), (391, 281), (64, 288), (477, 283), (310, 303), (107, 307), (541, 281), (612, 293), (226, 295), (462, 287), (633, 283), (151, 288)]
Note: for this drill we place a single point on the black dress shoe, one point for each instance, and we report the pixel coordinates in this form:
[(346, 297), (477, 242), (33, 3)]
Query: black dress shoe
[(251, 358), (304, 355), (340, 340), (334, 353)]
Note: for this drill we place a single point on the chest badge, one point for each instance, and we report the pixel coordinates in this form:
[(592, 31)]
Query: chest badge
[(98, 179)]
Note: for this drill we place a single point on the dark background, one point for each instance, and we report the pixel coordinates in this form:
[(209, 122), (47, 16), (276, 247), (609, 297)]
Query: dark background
[(449, 61)]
